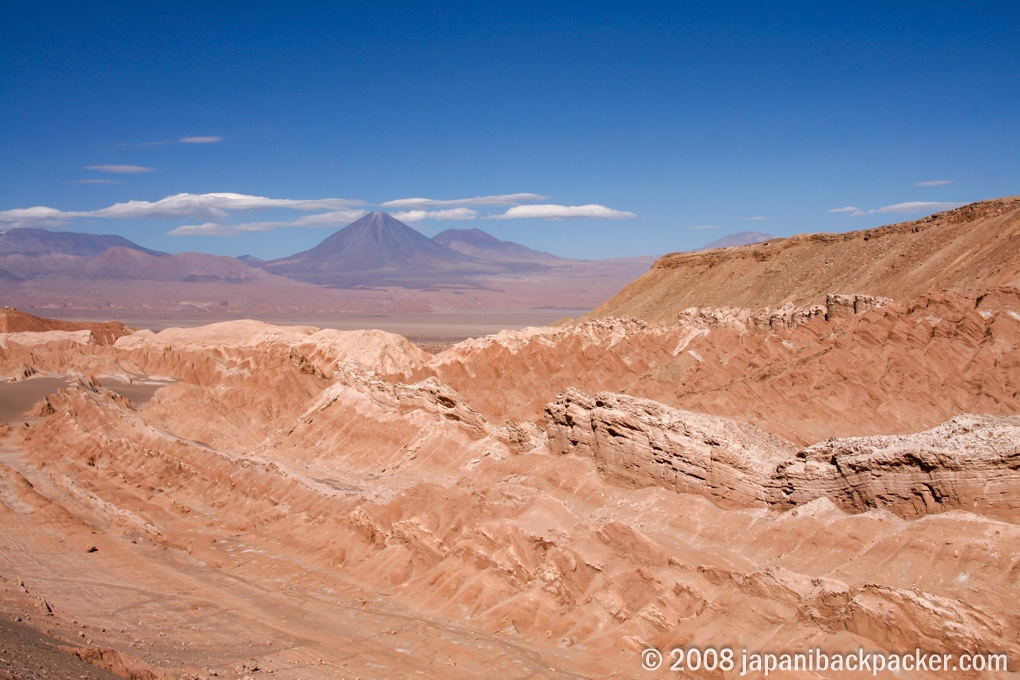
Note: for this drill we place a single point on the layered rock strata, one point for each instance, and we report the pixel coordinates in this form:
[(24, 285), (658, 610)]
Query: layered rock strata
[(640, 442), (971, 462)]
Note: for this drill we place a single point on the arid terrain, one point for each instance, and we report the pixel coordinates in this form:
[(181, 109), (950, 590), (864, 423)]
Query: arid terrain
[(969, 249), (808, 443)]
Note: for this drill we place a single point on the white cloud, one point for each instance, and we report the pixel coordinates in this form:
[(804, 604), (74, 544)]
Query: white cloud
[(310, 205), (217, 229), (502, 199), (120, 169), (211, 206), (555, 212), (933, 183), (918, 207), (207, 229), (330, 219), (755, 218), (200, 140), (908, 208), (417, 209), (850, 210), (180, 205), (451, 214), (706, 226), (216, 206), (38, 216)]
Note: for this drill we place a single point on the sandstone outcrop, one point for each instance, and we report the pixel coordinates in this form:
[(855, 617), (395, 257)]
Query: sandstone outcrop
[(641, 442), (837, 306), (968, 463)]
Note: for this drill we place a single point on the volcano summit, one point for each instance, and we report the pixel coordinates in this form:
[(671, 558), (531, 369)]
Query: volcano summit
[(380, 250)]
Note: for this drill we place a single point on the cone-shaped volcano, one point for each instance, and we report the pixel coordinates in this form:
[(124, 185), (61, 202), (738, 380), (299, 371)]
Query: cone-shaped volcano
[(379, 250)]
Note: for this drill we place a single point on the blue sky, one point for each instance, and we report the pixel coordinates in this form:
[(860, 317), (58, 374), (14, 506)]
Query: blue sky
[(588, 130)]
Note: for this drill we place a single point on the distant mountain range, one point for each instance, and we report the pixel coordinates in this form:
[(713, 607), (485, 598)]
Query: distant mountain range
[(374, 264), (375, 251), (53, 257), (40, 242)]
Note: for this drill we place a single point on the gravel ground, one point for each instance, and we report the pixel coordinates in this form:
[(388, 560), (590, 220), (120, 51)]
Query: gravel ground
[(27, 654)]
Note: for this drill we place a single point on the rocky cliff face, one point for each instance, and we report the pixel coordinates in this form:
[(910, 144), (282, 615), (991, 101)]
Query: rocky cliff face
[(640, 442), (970, 462)]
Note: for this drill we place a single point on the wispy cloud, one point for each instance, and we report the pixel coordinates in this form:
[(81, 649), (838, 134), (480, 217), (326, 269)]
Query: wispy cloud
[(331, 219), (850, 210), (450, 214), (755, 218), (502, 199), (557, 212), (918, 207), (216, 206), (212, 206), (199, 140), (120, 169), (37, 216), (908, 208), (217, 229), (706, 226), (38, 212), (933, 183), (96, 181)]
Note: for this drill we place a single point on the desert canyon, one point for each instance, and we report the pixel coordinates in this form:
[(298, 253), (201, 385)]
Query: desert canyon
[(806, 443)]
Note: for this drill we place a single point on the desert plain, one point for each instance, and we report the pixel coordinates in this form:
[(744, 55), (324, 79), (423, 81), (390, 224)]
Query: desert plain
[(808, 443)]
